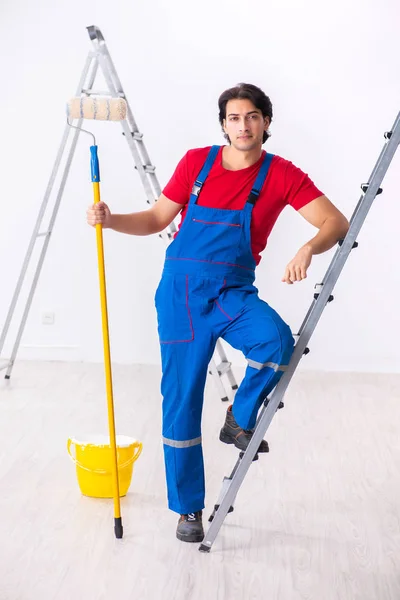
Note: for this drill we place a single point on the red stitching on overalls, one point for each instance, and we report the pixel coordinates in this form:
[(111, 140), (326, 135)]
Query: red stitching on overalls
[(213, 262), (190, 318), (217, 223), (222, 310)]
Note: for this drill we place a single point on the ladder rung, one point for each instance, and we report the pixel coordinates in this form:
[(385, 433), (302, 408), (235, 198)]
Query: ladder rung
[(355, 245), (101, 93), (318, 287), (167, 234), (136, 135), (43, 233), (150, 169), (224, 367), (296, 339), (365, 186)]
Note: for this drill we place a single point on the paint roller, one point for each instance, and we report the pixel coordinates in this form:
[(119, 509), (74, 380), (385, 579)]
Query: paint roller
[(97, 108), (102, 109)]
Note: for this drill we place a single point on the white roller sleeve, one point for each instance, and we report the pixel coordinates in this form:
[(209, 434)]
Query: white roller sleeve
[(100, 109)]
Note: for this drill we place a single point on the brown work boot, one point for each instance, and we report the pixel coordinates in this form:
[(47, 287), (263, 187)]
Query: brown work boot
[(190, 527), (231, 433)]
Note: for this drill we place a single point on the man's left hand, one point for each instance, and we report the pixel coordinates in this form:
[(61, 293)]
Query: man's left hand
[(296, 270)]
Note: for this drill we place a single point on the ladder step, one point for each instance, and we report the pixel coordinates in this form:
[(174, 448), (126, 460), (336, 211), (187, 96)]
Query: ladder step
[(90, 92), (224, 367), (216, 507), (136, 136), (148, 169), (166, 234), (365, 186), (43, 233), (296, 338), (355, 245), (318, 287)]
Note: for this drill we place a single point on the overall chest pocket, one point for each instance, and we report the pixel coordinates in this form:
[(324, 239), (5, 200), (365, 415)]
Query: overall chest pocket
[(174, 319), (216, 240)]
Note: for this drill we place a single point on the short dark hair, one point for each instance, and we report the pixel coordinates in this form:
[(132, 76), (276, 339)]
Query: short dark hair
[(249, 92)]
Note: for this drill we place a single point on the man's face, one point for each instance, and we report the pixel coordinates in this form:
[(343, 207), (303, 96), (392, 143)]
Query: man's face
[(244, 124)]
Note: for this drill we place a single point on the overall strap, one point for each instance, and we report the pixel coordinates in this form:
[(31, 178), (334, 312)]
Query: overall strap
[(261, 177), (202, 176)]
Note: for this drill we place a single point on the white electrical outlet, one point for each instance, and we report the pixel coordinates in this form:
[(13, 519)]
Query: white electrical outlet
[(48, 318)]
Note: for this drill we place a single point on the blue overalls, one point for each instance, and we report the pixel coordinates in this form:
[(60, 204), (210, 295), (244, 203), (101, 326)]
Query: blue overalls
[(206, 292)]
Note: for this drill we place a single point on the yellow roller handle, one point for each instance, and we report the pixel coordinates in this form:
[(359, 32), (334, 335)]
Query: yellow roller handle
[(107, 365)]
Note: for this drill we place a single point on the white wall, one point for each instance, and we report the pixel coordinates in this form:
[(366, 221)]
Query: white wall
[(332, 73)]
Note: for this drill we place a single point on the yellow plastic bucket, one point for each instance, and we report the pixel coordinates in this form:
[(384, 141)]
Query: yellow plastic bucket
[(93, 460)]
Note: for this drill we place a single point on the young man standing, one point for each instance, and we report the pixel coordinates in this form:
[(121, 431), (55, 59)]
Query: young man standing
[(229, 198)]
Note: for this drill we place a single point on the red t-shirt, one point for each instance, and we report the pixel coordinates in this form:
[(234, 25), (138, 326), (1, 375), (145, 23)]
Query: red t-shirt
[(285, 185)]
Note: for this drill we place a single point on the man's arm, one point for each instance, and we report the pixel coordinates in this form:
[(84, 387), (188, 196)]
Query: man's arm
[(146, 222), (332, 225)]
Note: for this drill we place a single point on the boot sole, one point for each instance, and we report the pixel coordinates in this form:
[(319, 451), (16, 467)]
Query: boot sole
[(227, 439), (192, 537)]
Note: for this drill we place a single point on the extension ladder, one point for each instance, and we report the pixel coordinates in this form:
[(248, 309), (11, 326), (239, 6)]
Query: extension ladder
[(322, 295)]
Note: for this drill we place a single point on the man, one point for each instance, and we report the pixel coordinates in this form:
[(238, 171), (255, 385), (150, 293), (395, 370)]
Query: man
[(229, 198)]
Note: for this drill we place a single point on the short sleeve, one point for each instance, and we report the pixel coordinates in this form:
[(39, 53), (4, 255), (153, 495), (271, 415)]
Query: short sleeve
[(299, 189), (178, 187)]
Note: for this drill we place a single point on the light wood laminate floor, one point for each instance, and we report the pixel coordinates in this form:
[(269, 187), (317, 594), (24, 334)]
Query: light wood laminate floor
[(317, 519)]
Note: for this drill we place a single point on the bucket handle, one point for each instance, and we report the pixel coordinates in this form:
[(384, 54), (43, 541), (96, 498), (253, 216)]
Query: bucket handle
[(138, 446)]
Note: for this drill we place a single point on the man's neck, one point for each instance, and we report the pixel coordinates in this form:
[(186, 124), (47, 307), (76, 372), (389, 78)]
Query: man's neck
[(234, 160)]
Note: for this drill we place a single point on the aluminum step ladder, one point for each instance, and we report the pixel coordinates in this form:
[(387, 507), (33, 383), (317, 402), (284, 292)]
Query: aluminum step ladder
[(99, 57), (322, 296)]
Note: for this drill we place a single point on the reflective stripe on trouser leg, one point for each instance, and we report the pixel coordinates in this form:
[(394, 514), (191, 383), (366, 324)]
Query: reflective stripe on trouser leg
[(183, 443), (256, 386), (267, 342), (274, 366)]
